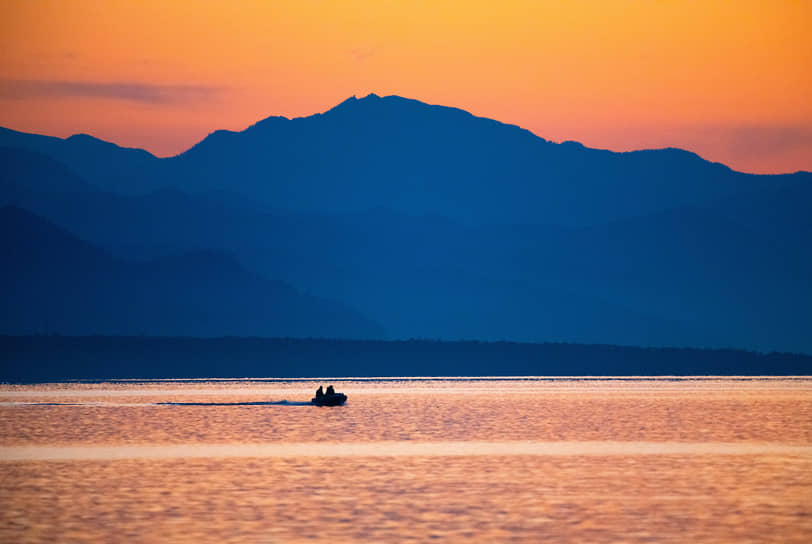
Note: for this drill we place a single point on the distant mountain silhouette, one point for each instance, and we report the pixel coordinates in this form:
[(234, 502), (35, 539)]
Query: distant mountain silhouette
[(53, 281), (418, 159), (106, 165), (414, 158), (439, 224)]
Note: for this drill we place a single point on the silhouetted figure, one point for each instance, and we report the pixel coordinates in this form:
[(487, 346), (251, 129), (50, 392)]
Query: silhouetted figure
[(320, 392), (330, 390)]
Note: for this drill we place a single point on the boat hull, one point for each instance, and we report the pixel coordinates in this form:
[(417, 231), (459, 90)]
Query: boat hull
[(336, 399)]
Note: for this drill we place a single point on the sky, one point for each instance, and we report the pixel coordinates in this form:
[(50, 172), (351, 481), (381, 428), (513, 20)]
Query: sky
[(729, 80)]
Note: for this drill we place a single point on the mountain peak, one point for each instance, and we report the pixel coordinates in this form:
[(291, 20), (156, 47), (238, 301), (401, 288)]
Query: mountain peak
[(355, 101), (83, 139), (87, 143), (397, 108), (83, 136)]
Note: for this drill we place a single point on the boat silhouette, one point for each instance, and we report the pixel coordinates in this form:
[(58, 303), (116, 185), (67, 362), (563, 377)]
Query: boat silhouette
[(330, 398)]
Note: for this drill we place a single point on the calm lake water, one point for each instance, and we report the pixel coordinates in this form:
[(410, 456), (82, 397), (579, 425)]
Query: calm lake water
[(482, 460)]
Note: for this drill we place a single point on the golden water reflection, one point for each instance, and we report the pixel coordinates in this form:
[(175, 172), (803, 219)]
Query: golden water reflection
[(724, 416), (487, 499), (529, 461)]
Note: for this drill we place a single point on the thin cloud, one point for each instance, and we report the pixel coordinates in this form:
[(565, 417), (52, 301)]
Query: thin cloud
[(22, 89), (767, 140)]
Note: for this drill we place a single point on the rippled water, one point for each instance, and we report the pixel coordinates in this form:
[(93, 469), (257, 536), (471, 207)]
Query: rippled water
[(536, 459)]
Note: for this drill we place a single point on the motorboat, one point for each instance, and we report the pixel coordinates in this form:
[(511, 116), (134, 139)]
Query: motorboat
[(329, 399)]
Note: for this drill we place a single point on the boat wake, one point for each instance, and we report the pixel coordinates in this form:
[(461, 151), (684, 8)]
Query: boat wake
[(274, 403), (129, 404)]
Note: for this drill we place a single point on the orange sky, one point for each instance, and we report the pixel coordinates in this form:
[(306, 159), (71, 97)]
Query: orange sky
[(731, 80)]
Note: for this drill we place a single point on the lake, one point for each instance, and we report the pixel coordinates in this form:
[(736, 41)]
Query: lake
[(408, 459)]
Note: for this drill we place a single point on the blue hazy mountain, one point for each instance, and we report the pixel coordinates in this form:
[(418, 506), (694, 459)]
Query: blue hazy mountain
[(101, 163), (418, 159), (439, 224), (714, 276), (410, 157), (53, 281)]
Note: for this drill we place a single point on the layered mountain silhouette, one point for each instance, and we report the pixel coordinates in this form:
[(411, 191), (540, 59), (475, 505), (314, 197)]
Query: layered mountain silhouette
[(407, 156), (435, 223), (55, 282)]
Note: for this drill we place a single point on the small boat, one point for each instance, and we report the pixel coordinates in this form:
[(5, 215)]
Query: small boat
[(329, 399)]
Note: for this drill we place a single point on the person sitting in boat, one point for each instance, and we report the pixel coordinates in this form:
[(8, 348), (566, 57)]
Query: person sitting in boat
[(330, 390), (320, 392)]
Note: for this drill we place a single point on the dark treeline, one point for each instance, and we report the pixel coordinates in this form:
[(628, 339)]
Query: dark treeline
[(55, 358)]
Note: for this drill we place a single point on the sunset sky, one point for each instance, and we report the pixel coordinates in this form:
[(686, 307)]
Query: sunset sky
[(730, 80)]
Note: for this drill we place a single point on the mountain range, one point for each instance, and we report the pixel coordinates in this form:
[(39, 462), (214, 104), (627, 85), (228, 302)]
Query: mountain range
[(403, 219), (57, 282)]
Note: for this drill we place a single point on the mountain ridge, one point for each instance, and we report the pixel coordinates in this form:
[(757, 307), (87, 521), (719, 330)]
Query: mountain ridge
[(436, 223), (54, 281), (509, 269), (353, 100)]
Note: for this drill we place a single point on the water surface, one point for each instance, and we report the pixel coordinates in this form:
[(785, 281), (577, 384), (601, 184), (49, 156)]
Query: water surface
[(524, 460)]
